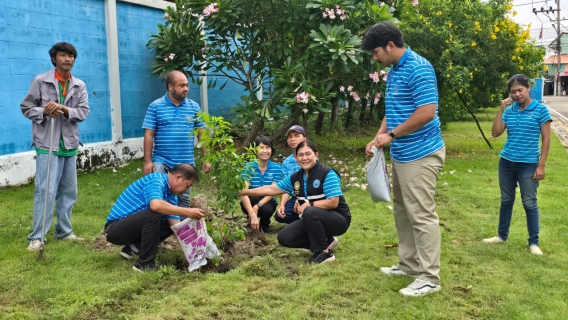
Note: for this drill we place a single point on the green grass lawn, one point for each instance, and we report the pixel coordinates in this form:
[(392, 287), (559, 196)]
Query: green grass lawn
[(77, 282)]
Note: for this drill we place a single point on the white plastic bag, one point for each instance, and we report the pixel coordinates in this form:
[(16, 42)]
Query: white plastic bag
[(211, 250), (192, 236), (378, 176)]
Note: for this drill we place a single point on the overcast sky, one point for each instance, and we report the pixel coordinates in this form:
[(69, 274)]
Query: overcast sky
[(525, 16)]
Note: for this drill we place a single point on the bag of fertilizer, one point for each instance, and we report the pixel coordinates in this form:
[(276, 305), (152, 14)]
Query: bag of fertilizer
[(192, 237), (378, 176)]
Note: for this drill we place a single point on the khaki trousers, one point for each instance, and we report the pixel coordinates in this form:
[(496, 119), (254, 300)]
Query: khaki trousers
[(417, 224)]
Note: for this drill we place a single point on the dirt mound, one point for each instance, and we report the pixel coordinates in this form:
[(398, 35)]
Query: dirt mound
[(255, 244)]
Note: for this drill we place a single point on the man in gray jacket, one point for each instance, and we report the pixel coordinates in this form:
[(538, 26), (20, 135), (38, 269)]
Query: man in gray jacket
[(58, 95)]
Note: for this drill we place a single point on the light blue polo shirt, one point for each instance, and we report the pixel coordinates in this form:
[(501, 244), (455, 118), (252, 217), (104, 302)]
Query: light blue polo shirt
[(523, 131), (331, 185), (138, 195), (257, 179), (411, 83), (174, 139), (290, 165)]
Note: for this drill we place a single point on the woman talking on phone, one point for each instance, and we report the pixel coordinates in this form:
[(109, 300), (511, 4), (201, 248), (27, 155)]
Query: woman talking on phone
[(320, 204), (522, 161)]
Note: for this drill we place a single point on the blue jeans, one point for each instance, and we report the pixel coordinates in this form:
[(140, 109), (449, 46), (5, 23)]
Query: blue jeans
[(62, 191), (183, 199), (511, 174)]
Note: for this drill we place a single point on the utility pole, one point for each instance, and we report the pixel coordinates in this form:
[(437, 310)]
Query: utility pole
[(557, 88)]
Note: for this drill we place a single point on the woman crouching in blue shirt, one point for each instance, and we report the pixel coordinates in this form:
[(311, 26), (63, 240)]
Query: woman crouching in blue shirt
[(521, 160), (320, 204), (261, 172)]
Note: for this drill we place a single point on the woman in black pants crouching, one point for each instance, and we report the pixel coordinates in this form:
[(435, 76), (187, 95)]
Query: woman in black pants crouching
[(321, 205)]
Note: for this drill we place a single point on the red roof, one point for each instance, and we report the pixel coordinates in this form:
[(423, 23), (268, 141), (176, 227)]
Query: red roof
[(554, 59)]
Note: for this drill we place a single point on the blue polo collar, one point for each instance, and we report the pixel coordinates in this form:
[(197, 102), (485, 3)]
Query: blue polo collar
[(531, 106), (168, 101), (402, 59)]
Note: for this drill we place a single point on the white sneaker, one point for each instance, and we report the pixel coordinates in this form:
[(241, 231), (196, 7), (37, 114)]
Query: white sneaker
[(534, 250), (394, 270), (420, 288), (72, 237), (494, 240), (35, 245)]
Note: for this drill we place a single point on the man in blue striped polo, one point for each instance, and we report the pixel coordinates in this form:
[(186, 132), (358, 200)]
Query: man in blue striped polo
[(412, 128), (137, 215), (168, 134)]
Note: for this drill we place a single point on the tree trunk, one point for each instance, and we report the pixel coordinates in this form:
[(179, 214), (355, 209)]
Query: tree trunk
[(283, 128), (475, 118), (319, 123), (363, 110), (256, 127), (305, 124), (334, 110), (349, 112)]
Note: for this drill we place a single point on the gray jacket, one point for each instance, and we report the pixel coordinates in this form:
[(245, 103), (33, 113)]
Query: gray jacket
[(43, 89)]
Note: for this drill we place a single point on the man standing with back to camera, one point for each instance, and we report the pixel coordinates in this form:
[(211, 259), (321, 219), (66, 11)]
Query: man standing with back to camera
[(412, 128), (58, 95)]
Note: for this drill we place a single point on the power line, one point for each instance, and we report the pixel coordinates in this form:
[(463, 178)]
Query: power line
[(526, 4)]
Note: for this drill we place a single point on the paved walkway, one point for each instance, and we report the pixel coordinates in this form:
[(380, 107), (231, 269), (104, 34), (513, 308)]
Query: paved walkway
[(559, 112)]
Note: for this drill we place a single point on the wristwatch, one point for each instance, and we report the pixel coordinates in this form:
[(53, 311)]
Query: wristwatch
[(259, 205), (391, 133)]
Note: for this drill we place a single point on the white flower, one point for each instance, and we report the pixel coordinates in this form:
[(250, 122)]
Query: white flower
[(349, 88), (342, 89), (452, 171), (305, 110), (138, 170), (172, 55), (390, 207), (469, 170), (445, 183), (364, 186), (352, 179), (113, 170), (166, 16)]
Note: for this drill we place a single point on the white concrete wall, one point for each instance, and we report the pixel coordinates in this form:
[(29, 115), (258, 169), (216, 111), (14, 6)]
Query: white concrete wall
[(17, 169)]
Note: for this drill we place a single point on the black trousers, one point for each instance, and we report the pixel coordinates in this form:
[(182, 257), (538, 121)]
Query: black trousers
[(315, 230), (264, 213), (145, 229)]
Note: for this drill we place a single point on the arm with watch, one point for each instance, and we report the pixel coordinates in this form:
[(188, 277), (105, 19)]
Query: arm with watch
[(419, 118), (252, 210)]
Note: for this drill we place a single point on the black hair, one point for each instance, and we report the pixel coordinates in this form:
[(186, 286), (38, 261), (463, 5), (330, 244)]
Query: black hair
[(380, 35), (308, 143), (265, 141), (521, 79), (170, 78), (187, 170), (62, 47)]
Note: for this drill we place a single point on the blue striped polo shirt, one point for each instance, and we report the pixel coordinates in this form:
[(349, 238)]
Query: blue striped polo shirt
[(290, 165), (174, 139), (252, 174), (331, 185), (523, 131), (138, 195), (411, 83)]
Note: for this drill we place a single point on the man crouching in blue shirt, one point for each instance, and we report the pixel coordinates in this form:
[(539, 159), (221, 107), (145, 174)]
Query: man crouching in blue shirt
[(138, 219)]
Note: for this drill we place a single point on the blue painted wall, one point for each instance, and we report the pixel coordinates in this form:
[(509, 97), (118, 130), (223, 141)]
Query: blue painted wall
[(28, 29)]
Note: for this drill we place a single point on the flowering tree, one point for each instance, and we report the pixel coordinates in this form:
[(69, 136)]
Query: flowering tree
[(283, 47), (474, 47)]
